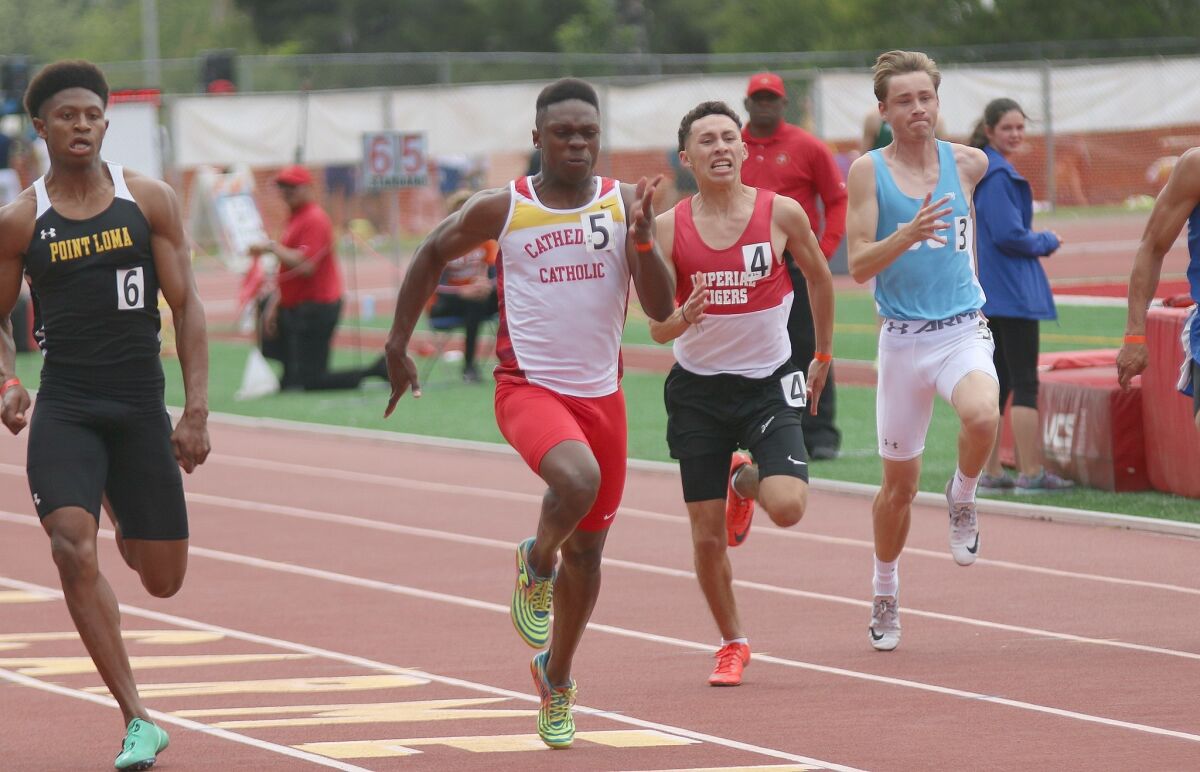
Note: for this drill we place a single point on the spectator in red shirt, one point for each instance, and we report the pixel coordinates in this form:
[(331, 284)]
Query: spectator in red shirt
[(790, 161), (302, 315)]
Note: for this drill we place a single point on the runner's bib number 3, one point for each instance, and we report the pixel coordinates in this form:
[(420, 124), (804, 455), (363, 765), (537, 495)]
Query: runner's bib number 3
[(131, 289), (795, 390)]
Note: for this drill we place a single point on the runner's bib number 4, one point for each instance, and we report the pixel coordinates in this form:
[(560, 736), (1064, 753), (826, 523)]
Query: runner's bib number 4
[(795, 390)]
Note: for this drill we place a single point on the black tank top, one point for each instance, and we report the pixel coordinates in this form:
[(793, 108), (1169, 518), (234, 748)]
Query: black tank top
[(96, 289)]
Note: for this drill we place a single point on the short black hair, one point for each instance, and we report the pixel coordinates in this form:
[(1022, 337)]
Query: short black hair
[(703, 110), (563, 90), (60, 76)]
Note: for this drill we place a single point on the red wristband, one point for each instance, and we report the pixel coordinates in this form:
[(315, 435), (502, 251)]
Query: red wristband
[(821, 356), (1135, 339), (643, 246), (8, 385)]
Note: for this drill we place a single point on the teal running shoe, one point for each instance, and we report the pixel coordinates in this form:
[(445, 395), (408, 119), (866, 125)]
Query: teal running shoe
[(143, 742)]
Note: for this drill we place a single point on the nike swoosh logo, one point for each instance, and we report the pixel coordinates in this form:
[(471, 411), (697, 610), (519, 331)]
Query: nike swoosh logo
[(974, 547), (763, 428), (874, 636), (741, 537), (609, 516), (794, 461)]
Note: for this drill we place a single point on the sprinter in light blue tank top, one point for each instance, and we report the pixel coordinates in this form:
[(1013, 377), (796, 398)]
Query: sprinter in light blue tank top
[(910, 226), (1178, 202), (931, 280)]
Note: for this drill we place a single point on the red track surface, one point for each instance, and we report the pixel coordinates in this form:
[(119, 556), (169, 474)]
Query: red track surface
[(1065, 647)]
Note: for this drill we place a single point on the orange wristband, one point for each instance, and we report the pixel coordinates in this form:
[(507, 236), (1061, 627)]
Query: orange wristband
[(643, 246), (1136, 339), (8, 385), (821, 356)]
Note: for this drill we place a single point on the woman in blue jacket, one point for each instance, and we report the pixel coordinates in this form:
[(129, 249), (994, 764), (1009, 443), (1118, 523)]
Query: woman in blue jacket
[(1018, 293)]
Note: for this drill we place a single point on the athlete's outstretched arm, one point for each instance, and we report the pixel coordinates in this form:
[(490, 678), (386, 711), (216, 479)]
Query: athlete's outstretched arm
[(867, 256), (16, 229), (802, 244), (480, 219), (173, 266), (1176, 201), (692, 310), (652, 276)]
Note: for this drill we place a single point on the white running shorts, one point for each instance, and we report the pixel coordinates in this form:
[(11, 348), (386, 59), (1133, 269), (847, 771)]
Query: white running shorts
[(918, 359)]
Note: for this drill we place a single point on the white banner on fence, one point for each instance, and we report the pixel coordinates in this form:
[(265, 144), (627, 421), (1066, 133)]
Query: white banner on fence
[(326, 128)]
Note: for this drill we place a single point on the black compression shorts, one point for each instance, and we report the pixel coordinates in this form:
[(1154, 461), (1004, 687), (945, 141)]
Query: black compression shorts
[(82, 446)]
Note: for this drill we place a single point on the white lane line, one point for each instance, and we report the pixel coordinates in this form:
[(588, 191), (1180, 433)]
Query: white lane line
[(458, 600), (454, 489), (481, 541), (167, 718), (370, 664)]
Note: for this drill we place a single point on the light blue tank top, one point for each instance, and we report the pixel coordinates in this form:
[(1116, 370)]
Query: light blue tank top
[(1193, 271), (930, 280)]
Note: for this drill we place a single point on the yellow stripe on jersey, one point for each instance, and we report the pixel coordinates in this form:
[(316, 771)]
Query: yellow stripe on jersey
[(526, 214)]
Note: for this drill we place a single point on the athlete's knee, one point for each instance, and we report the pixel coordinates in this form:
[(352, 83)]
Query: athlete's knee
[(895, 495), (578, 487), (583, 558), (708, 547), (981, 418), (786, 513), (162, 585), (74, 555)]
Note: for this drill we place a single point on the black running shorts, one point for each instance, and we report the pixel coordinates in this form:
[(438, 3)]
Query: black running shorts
[(82, 446), (710, 416)]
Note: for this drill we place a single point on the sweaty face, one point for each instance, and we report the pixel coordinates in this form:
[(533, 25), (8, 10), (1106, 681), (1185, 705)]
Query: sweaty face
[(912, 105), (1009, 132), (569, 134), (73, 124), (714, 148)]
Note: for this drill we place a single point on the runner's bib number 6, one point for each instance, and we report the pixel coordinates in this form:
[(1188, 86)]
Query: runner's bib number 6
[(795, 390), (131, 289)]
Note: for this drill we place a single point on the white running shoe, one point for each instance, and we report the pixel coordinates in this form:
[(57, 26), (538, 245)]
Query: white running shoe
[(885, 623), (964, 530)]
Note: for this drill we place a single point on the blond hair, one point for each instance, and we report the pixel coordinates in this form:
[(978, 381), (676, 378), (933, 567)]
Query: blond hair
[(902, 63)]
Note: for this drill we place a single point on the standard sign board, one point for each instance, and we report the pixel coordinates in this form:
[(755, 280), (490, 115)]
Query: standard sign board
[(395, 159)]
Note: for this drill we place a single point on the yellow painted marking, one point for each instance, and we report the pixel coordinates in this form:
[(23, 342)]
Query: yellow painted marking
[(365, 713), (635, 738), (20, 596), (59, 666), (275, 686), (507, 743), (759, 768), (153, 637)]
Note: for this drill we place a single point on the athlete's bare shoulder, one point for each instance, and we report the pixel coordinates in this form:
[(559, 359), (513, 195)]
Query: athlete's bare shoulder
[(972, 162), (485, 211), (16, 223), (1189, 165)]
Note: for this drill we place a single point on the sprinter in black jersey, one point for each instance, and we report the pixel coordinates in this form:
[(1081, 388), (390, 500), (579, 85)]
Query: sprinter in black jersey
[(98, 244)]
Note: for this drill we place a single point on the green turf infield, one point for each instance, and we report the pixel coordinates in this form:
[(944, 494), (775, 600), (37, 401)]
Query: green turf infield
[(855, 334), (450, 408)]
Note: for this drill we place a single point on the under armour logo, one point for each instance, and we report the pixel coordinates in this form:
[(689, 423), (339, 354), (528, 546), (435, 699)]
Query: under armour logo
[(895, 445), (37, 500), (48, 232), (901, 328)]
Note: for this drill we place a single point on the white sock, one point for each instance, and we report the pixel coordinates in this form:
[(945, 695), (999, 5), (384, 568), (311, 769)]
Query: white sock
[(962, 490), (887, 577), (745, 641)]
